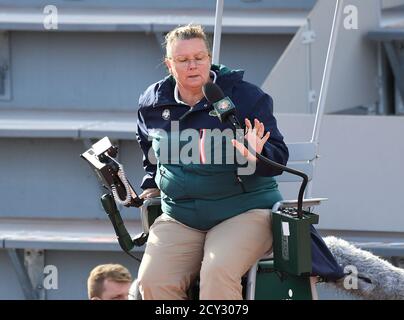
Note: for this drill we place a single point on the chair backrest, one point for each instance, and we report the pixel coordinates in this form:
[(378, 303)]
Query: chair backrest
[(301, 156)]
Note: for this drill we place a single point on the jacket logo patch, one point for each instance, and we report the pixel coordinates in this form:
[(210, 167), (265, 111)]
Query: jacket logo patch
[(224, 105), (166, 114), (213, 113)]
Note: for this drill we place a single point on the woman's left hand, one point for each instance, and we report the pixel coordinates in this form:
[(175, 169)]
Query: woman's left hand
[(255, 138)]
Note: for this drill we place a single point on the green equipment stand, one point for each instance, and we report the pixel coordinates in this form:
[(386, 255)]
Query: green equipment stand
[(287, 276), (292, 241), (275, 285)]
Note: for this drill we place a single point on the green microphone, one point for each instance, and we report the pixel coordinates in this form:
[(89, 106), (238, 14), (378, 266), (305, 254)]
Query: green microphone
[(224, 107)]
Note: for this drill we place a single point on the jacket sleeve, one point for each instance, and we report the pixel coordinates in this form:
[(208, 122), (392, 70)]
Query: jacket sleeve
[(275, 148), (145, 145)]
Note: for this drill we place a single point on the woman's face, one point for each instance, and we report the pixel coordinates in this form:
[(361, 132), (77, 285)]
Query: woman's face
[(189, 63)]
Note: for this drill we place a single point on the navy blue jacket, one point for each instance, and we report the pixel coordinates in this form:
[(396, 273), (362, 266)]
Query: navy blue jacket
[(251, 102), (206, 204)]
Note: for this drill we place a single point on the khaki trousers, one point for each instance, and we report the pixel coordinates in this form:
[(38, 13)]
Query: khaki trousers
[(175, 254)]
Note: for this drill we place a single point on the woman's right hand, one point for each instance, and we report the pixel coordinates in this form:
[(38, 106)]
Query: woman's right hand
[(150, 193)]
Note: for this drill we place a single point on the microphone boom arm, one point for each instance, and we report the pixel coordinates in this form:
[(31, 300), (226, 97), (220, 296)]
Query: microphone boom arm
[(292, 171), (234, 121)]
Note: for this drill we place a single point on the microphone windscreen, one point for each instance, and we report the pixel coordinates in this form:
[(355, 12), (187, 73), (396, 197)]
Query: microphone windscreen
[(212, 92)]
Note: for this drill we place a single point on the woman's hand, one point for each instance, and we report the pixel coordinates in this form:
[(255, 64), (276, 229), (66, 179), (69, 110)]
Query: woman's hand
[(255, 138), (150, 193)]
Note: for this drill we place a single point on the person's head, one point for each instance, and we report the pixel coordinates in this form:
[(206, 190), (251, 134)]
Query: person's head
[(109, 282), (188, 56)]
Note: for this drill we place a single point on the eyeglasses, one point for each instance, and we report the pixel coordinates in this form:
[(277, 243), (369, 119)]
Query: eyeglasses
[(184, 62)]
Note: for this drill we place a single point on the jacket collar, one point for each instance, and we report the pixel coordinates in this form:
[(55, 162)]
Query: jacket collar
[(226, 79)]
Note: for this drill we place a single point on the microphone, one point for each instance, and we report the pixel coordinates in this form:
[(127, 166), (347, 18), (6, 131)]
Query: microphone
[(224, 107), (226, 111), (377, 279)]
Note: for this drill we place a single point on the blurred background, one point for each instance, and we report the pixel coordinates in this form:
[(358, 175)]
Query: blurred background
[(71, 72)]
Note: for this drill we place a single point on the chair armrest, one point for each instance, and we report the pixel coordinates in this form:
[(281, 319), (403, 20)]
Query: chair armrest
[(293, 203), (149, 211)]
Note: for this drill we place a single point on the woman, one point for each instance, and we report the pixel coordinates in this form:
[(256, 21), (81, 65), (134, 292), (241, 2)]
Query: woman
[(215, 222)]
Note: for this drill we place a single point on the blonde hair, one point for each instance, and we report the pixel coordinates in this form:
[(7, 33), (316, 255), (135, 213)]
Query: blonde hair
[(114, 272), (190, 31)]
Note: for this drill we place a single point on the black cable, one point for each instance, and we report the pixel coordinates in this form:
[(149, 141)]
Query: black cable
[(132, 256), (234, 121), (292, 171)]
